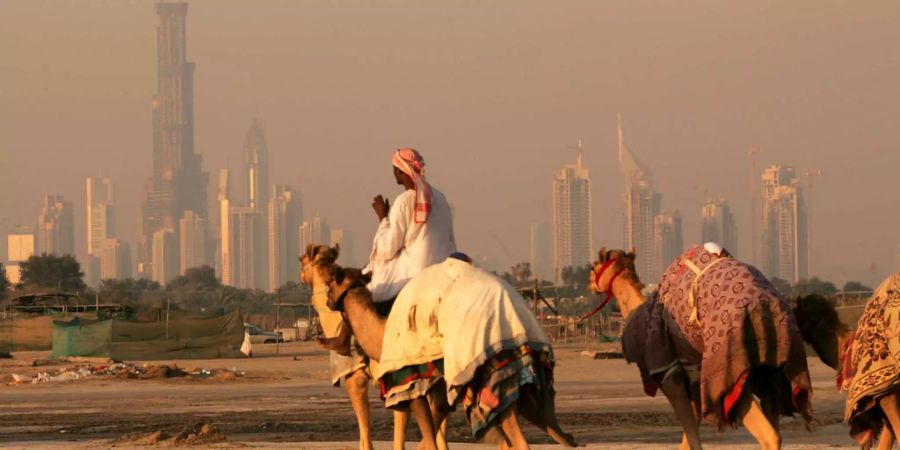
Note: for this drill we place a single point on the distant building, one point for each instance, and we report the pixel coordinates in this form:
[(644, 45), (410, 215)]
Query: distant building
[(718, 225), (164, 251), (178, 182), (283, 236), (345, 239), (56, 227), (784, 240), (315, 232), (541, 254), (101, 221), (115, 260), (192, 241), (668, 243), (249, 266), (642, 205), (572, 228), (19, 247), (257, 190)]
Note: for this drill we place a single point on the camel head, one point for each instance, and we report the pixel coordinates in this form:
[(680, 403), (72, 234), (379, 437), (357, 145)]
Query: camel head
[(611, 263), (821, 327), (343, 280), (318, 263)]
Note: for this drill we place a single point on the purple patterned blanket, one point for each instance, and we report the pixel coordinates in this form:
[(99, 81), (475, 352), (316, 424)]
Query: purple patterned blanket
[(725, 317)]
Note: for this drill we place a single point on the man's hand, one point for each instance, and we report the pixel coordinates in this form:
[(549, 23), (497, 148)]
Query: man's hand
[(381, 206)]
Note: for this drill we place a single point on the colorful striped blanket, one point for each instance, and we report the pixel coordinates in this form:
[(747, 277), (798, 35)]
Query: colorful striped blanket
[(872, 363)]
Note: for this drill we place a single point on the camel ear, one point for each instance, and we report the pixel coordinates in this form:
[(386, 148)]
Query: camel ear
[(602, 254), (310, 251), (337, 250), (632, 253)]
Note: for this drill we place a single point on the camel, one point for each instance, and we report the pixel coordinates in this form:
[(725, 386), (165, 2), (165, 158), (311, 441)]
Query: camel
[(318, 270), (350, 296), (871, 417), (664, 356)]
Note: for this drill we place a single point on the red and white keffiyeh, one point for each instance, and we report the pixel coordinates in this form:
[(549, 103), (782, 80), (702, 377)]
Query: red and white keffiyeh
[(411, 163)]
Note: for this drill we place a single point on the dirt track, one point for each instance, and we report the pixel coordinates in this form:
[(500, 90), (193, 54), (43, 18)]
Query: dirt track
[(282, 402)]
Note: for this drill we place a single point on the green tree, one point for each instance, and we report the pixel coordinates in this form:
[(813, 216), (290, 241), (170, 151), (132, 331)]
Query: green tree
[(47, 271), (196, 278), (576, 276), (519, 275), (856, 286), (128, 291), (782, 286), (814, 286)]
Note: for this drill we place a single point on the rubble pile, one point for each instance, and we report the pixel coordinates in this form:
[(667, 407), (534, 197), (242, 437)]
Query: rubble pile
[(122, 370)]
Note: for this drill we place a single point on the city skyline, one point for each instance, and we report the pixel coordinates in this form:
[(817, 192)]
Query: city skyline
[(691, 117)]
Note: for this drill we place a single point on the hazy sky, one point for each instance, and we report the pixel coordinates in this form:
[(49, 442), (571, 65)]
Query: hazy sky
[(492, 93)]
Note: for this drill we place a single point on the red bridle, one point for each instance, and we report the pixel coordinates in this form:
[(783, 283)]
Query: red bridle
[(608, 292)]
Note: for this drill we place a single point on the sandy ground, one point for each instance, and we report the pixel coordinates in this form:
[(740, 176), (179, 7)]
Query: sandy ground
[(285, 401)]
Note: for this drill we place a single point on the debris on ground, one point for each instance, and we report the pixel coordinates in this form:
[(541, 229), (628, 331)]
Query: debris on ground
[(5, 355), (126, 371), (191, 435), (602, 354)]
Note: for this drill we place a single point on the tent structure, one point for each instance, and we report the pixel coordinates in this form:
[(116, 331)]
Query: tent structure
[(29, 332), (216, 337)]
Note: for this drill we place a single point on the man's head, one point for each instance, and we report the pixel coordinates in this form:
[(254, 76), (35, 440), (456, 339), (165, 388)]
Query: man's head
[(403, 179), (410, 164)]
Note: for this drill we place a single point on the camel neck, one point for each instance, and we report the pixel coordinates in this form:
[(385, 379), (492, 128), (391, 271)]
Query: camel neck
[(367, 325), (628, 295)]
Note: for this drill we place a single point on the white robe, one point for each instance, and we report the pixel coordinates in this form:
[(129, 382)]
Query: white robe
[(402, 248)]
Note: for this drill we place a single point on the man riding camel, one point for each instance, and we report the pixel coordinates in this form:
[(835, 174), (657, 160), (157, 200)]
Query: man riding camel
[(413, 233)]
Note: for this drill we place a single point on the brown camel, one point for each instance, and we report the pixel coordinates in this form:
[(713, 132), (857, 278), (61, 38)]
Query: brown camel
[(320, 271), (350, 295), (822, 328), (614, 274)]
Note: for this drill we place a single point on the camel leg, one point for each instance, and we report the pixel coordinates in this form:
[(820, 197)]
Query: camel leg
[(437, 400), (751, 415), (358, 390), (510, 424), (401, 418), (890, 404), (673, 386), (886, 440), (422, 413)]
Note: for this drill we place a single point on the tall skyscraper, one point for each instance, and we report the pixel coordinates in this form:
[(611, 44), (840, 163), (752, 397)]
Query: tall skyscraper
[(642, 204), (248, 265), (718, 225), (178, 182), (56, 227), (256, 167), (115, 259), (284, 236), (541, 254), (668, 243), (226, 258), (192, 241), (164, 251), (784, 235), (101, 220), (572, 229)]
